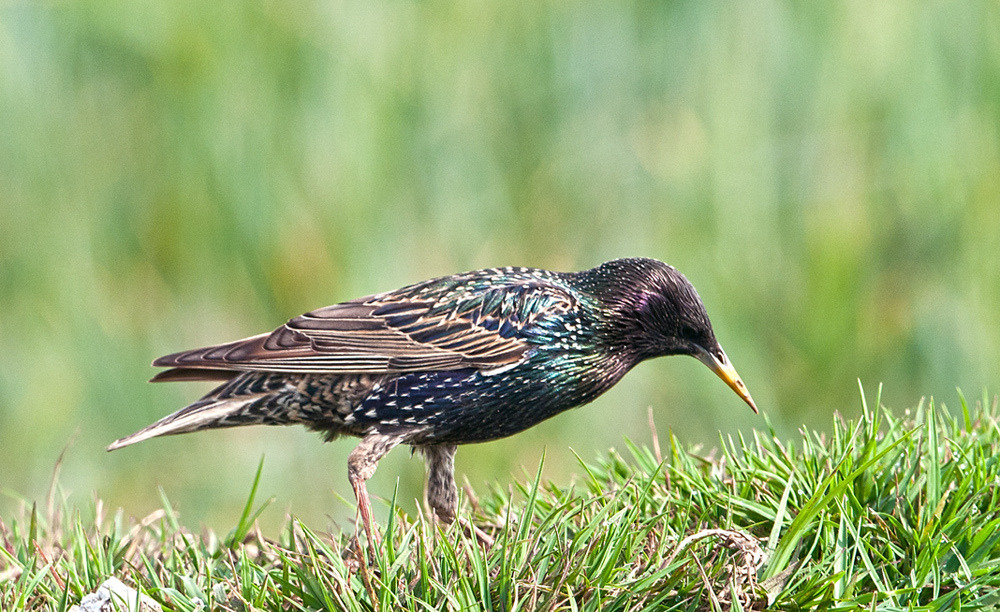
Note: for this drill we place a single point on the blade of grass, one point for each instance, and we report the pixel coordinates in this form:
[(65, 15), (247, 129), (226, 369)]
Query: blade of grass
[(247, 518)]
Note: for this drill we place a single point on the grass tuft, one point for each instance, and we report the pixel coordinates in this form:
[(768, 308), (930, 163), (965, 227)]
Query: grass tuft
[(884, 512)]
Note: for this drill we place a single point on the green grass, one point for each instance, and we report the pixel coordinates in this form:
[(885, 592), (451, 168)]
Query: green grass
[(883, 513), (184, 173)]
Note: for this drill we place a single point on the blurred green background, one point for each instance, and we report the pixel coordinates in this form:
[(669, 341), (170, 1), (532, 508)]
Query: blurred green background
[(175, 174)]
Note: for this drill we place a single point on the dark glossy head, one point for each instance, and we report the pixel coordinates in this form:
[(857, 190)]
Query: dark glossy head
[(664, 314)]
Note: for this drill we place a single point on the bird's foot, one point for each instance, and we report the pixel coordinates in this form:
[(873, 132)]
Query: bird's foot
[(351, 555), (354, 555), (354, 560), (484, 538), (355, 548)]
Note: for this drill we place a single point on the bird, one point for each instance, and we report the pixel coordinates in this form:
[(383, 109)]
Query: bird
[(454, 360)]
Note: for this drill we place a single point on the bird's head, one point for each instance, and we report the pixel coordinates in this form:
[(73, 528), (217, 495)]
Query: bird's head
[(666, 316)]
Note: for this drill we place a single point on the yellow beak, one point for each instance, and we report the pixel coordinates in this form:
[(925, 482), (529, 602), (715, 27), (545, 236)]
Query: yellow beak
[(727, 372)]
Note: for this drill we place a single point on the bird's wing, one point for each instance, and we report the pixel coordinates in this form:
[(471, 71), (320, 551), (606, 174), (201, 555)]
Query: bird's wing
[(418, 328)]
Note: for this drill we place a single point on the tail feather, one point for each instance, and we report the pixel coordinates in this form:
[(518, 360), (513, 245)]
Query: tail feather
[(204, 414), (259, 398)]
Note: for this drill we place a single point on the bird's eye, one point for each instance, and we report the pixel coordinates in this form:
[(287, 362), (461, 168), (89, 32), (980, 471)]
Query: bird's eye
[(688, 332)]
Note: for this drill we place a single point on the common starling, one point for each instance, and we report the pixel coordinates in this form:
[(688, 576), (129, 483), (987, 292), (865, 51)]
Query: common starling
[(453, 360)]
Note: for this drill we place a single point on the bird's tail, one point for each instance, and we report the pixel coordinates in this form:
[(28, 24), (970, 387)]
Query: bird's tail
[(208, 413)]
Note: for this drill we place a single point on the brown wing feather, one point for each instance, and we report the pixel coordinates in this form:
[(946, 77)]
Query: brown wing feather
[(386, 333), (192, 374)]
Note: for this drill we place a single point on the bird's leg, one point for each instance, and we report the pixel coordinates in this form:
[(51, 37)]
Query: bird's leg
[(361, 464), (442, 495), (441, 492)]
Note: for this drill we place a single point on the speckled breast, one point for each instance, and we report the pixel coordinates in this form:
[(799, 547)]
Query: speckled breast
[(465, 406)]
